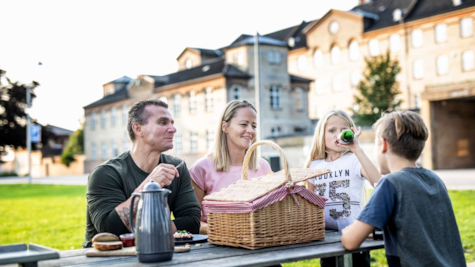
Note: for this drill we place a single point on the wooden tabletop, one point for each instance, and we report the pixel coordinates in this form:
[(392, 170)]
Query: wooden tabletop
[(206, 254)]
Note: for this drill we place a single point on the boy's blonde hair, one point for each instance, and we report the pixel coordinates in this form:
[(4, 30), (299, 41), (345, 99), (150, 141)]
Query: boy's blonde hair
[(318, 146), (219, 153), (405, 131)]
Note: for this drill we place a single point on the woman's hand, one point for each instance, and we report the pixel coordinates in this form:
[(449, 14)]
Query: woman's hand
[(355, 145)]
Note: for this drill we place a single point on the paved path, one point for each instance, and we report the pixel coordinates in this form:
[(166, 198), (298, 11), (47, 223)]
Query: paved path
[(80, 179), (454, 179)]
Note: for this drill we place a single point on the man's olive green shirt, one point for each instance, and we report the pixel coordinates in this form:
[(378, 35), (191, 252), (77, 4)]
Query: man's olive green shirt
[(114, 181)]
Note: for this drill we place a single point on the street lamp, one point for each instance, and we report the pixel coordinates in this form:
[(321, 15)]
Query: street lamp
[(28, 127)]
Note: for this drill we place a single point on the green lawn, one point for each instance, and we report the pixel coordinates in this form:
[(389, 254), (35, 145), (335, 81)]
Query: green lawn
[(54, 216)]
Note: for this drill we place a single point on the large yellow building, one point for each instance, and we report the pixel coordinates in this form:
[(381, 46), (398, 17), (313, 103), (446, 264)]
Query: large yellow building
[(434, 42), (308, 69)]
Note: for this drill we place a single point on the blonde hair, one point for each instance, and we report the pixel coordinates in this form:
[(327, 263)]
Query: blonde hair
[(318, 145), (405, 131), (219, 153)]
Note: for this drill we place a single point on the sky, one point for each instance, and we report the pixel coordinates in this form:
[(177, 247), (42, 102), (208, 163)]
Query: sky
[(85, 44)]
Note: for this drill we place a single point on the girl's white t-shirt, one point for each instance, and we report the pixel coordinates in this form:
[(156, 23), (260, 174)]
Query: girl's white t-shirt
[(343, 186)]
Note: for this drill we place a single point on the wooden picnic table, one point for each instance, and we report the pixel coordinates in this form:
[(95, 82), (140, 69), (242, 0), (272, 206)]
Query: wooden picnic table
[(206, 254)]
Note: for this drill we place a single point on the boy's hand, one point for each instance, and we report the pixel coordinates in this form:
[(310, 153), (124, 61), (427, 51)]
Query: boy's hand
[(355, 145)]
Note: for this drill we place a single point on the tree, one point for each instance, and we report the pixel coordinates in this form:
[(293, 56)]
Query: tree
[(378, 89), (75, 146), (12, 113)]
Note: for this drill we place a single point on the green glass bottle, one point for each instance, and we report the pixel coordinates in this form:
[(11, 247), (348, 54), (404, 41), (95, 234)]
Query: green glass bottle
[(346, 137)]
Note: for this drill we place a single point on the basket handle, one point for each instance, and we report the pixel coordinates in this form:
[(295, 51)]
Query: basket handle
[(245, 165)]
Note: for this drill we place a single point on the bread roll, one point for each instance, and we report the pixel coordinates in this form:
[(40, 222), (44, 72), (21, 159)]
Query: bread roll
[(105, 237), (111, 245)]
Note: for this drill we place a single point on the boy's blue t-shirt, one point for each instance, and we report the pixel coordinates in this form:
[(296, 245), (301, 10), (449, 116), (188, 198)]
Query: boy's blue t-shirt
[(413, 209)]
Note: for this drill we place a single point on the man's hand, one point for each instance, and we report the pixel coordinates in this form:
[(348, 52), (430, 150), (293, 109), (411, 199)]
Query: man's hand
[(163, 174)]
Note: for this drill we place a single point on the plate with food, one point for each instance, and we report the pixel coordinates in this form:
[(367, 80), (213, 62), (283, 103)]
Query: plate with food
[(183, 237)]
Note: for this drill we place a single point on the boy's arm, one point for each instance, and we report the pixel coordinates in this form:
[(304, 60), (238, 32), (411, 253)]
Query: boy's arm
[(368, 169), (354, 234)]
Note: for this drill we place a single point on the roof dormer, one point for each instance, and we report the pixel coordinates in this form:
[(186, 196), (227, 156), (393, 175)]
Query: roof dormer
[(192, 57)]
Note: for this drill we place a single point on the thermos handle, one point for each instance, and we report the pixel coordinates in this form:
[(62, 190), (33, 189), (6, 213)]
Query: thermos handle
[(134, 195)]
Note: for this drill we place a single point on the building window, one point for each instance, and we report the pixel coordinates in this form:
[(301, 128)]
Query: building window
[(275, 131), (373, 46), (354, 51), (335, 55), (416, 37), (209, 139), (442, 65), (319, 87), (93, 120), (115, 151), (468, 60), (113, 116), (240, 59), (235, 92), (440, 33), (466, 27), (208, 99), (94, 151), (125, 145), (336, 83), (188, 63), (318, 59), (176, 105), (394, 42), (104, 150), (418, 69), (178, 143), (417, 100), (192, 102), (103, 118), (321, 110), (124, 114), (193, 142), (302, 63), (273, 57), (163, 99), (355, 78), (275, 97), (298, 98)]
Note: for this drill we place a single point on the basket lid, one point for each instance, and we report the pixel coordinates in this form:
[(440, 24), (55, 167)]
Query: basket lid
[(250, 190)]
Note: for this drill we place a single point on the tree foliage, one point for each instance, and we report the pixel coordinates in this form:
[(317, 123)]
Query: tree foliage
[(12, 112), (75, 146), (377, 90)]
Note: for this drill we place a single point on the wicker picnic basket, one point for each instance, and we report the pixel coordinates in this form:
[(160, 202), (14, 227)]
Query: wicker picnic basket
[(253, 223)]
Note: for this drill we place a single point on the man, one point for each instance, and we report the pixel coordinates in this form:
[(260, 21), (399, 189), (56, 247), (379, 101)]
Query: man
[(111, 184), (410, 204)]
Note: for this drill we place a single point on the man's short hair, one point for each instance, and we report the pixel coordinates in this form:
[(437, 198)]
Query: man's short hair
[(405, 131), (138, 114)]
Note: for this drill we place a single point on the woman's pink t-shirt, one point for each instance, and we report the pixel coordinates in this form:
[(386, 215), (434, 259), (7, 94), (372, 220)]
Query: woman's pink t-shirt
[(209, 180)]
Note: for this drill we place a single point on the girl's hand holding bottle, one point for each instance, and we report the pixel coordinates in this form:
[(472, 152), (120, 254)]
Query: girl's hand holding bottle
[(345, 140)]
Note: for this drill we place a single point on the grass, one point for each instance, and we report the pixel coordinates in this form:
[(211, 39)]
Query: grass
[(55, 216)]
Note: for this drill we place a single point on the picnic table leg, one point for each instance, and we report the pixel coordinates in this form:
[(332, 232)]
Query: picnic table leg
[(28, 264), (344, 261)]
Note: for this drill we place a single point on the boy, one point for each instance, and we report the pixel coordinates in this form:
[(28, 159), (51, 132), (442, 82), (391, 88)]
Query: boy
[(410, 204)]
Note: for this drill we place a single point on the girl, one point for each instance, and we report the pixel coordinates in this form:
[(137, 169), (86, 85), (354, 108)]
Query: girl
[(223, 165), (344, 185)]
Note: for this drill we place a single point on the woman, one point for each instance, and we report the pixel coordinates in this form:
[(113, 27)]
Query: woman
[(223, 165)]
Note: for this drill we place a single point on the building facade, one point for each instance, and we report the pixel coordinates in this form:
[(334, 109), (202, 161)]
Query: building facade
[(197, 94), (433, 41), (308, 69)]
